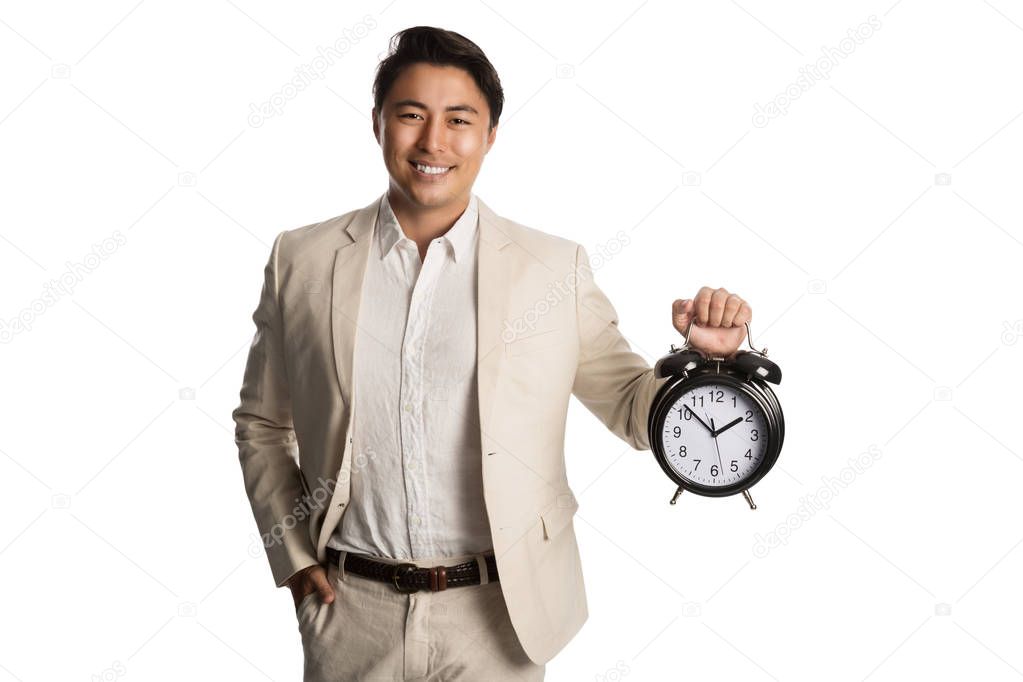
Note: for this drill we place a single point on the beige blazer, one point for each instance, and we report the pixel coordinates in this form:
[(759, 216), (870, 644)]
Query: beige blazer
[(545, 332)]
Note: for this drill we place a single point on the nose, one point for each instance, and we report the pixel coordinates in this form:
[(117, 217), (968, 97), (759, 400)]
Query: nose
[(433, 134)]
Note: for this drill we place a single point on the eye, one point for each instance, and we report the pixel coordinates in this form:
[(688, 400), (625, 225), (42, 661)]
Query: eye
[(404, 115), (462, 120)]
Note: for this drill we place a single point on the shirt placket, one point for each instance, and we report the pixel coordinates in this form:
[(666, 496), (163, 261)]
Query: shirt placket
[(413, 427)]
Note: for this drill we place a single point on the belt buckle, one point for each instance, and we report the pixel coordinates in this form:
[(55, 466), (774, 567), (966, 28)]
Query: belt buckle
[(403, 571)]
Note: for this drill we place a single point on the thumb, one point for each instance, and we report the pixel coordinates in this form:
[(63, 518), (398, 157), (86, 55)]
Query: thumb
[(323, 587), (681, 310)]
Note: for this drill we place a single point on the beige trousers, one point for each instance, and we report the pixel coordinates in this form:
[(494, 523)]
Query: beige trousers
[(373, 632)]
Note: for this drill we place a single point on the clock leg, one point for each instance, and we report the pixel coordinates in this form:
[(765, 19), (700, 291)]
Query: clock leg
[(677, 493), (749, 499)]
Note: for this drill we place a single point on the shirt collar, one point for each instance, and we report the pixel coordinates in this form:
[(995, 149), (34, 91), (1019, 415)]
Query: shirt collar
[(459, 236)]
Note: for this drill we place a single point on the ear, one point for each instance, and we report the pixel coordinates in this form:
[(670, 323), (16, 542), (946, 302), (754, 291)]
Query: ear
[(491, 137), (376, 125)]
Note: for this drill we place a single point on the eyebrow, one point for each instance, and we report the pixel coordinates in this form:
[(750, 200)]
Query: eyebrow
[(420, 105)]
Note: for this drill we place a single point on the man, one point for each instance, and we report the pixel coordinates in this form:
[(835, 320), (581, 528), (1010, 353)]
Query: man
[(414, 358)]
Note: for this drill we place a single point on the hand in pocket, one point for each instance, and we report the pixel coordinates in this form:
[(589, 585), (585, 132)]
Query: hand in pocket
[(309, 580)]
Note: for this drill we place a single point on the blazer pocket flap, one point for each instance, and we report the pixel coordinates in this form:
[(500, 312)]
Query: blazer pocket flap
[(556, 517)]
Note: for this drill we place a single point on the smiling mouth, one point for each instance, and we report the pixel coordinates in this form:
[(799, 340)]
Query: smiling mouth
[(430, 171)]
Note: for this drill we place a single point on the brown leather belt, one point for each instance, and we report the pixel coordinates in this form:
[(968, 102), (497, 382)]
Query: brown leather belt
[(408, 578)]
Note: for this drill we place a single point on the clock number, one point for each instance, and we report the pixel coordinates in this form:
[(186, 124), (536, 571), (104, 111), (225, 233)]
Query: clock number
[(754, 435), (720, 398), (735, 466), (749, 454), (697, 464), (677, 431), (749, 416), (694, 400), (733, 401), (682, 451), (687, 415), (714, 470)]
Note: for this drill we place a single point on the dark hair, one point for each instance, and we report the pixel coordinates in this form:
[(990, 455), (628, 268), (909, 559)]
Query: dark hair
[(439, 47)]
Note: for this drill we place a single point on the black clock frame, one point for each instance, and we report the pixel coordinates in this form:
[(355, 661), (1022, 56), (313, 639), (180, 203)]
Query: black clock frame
[(747, 373)]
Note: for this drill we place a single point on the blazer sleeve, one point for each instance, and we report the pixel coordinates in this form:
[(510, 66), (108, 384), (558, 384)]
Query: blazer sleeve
[(613, 382), (265, 436)]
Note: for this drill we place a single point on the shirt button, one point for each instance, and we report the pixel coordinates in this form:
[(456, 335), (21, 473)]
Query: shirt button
[(408, 407), (416, 519)]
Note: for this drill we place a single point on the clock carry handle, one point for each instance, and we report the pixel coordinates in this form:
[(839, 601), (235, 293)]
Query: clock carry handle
[(749, 338)]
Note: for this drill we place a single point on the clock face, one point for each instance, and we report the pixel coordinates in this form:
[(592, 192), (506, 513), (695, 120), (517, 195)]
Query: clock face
[(715, 435)]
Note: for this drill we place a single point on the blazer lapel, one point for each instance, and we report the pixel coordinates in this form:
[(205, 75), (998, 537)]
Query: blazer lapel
[(493, 288), (346, 292)]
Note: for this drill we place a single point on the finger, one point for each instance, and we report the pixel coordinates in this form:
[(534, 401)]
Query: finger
[(682, 315), (745, 315), (717, 307), (732, 306), (678, 307), (323, 586), (702, 304), (681, 312)]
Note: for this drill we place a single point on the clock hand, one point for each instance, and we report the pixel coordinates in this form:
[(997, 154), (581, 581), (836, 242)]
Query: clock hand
[(699, 420), (721, 467), (727, 426)]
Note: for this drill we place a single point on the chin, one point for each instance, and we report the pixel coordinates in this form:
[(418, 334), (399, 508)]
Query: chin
[(430, 196)]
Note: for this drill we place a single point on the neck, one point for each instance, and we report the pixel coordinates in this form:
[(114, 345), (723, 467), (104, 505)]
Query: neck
[(421, 224)]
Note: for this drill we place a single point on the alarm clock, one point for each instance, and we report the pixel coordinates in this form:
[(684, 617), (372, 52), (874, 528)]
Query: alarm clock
[(716, 428)]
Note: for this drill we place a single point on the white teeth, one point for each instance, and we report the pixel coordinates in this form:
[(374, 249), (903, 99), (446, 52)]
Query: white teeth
[(431, 170)]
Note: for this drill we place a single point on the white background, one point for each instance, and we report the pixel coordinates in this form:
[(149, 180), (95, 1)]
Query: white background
[(887, 291)]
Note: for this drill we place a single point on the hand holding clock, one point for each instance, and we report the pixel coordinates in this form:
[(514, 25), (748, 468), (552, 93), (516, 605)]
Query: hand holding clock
[(720, 320)]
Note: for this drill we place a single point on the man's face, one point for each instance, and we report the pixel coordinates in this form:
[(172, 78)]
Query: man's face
[(434, 115)]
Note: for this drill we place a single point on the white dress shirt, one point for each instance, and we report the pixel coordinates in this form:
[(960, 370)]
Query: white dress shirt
[(417, 478)]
